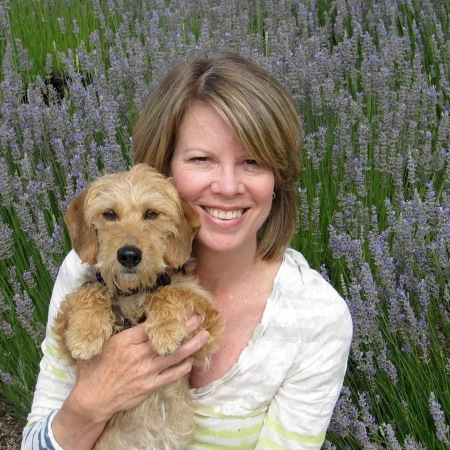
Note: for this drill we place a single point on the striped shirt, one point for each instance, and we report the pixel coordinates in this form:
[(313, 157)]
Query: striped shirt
[(279, 395)]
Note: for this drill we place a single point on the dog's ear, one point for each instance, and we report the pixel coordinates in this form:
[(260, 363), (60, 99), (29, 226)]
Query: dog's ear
[(83, 236), (179, 246)]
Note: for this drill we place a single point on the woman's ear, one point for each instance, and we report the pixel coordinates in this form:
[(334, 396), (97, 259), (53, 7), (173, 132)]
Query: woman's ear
[(179, 246), (82, 233)]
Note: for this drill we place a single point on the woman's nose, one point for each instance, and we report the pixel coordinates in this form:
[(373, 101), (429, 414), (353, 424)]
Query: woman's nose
[(227, 182)]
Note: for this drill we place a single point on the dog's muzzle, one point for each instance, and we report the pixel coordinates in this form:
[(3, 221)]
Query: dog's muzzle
[(129, 256)]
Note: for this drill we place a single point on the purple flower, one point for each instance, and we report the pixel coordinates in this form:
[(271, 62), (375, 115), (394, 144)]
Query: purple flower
[(24, 309), (6, 377), (5, 309), (389, 432), (6, 241), (412, 444), (442, 428)]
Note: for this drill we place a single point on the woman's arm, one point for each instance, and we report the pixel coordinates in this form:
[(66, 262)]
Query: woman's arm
[(56, 375)]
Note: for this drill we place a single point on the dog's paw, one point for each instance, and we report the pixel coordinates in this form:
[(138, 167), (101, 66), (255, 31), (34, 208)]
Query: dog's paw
[(85, 349), (164, 340)]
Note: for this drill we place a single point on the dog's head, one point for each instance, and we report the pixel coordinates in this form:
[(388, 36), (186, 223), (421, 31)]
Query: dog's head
[(132, 226)]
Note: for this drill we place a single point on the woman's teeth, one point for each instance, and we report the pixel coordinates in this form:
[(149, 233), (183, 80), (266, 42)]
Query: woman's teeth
[(224, 215)]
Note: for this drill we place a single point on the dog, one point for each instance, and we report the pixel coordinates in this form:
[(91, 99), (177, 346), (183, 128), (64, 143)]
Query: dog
[(137, 233)]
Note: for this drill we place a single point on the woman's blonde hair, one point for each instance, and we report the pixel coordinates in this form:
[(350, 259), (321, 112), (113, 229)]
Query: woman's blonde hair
[(255, 105)]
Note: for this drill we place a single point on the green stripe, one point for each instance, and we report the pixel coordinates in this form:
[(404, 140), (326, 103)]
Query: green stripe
[(61, 374), (269, 445), (55, 352), (241, 438), (241, 433), (202, 445), (271, 424)]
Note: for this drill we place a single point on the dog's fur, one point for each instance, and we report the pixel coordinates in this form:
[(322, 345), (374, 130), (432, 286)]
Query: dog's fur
[(117, 214)]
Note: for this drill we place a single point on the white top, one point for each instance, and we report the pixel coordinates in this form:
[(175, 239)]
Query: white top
[(279, 395)]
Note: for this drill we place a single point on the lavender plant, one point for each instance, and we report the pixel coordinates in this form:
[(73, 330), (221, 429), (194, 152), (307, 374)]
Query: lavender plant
[(371, 82)]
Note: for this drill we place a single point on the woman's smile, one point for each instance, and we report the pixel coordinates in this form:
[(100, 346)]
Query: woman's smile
[(224, 214)]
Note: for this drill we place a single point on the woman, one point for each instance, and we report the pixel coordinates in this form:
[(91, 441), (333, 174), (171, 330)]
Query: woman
[(229, 135)]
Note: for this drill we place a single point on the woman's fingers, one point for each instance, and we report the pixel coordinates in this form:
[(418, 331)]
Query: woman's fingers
[(193, 322), (137, 335), (188, 348), (180, 362)]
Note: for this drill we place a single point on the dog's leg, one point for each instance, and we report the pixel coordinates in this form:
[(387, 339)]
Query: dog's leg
[(166, 320), (85, 321)]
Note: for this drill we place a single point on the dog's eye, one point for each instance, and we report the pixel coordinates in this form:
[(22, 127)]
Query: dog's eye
[(110, 215), (150, 215)]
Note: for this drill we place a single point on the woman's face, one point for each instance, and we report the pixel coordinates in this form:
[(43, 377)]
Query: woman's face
[(214, 173)]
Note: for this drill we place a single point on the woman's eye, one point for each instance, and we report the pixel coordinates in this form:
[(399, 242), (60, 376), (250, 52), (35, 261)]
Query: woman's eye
[(150, 215), (110, 215), (252, 164), (199, 159)]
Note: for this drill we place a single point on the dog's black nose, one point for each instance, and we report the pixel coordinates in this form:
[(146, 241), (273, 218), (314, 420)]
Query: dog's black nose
[(129, 256)]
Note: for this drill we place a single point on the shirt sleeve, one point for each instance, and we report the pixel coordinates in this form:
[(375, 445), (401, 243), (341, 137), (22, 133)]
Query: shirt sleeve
[(40, 437), (300, 412), (56, 374)]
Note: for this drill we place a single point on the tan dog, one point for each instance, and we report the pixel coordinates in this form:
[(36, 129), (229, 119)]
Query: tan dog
[(137, 233)]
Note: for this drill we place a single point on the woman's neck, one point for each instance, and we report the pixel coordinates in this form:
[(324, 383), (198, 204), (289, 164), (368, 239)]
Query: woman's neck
[(220, 270)]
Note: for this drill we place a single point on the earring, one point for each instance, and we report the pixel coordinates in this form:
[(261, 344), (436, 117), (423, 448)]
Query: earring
[(273, 195)]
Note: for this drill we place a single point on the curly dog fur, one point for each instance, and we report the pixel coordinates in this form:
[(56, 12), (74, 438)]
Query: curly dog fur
[(137, 233)]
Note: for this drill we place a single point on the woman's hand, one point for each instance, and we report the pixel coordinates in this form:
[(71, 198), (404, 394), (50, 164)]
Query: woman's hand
[(124, 374)]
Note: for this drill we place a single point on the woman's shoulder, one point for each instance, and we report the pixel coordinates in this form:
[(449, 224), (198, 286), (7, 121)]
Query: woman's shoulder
[(303, 284), (296, 272), (308, 298), (74, 270)]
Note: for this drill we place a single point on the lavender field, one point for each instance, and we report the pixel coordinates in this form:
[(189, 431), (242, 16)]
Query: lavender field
[(371, 82)]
